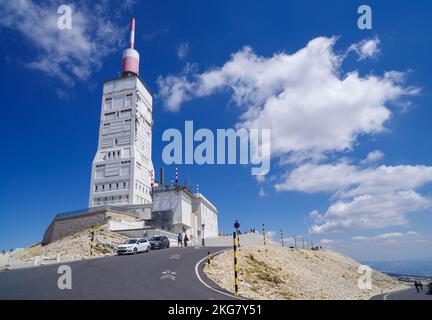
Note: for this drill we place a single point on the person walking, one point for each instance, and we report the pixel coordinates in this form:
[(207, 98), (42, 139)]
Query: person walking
[(416, 285), (420, 286), (180, 240), (186, 240)]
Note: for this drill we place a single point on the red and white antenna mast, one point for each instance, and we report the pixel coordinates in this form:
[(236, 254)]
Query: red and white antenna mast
[(130, 61), (132, 34)]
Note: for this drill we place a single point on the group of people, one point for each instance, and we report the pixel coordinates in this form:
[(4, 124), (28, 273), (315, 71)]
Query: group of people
[(418, 285), (182, 239)]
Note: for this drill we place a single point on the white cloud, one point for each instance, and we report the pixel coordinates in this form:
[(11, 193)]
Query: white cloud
[(68, 55), (327, 241), (262, 193), (373, 157), (362, 198), (315, 109), (346, 180), (365, 49), (389, 238), (311, 106), (370, 212), (183, 50), (270, 234)]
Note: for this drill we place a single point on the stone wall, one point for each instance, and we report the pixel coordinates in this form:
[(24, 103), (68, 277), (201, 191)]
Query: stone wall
[(61, 227)]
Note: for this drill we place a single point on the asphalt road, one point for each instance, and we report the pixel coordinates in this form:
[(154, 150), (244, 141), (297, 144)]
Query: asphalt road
[(408, 294), (119, 277)]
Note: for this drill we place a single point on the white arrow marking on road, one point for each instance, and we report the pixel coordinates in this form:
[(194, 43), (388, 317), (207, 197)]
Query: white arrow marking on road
[(168, 275), (175, 256)]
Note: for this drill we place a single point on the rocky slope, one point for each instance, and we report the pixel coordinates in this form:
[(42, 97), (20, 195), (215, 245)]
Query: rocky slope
[(73, 247), (274, 272)]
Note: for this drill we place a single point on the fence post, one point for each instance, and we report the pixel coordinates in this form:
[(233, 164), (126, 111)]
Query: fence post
[(264, 236), (235, 264), (282, 238), (303, 244), (91, 240), (208, 260), (295, 242)]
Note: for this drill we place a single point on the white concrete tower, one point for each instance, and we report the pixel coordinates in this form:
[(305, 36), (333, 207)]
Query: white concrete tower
[(122, 168)]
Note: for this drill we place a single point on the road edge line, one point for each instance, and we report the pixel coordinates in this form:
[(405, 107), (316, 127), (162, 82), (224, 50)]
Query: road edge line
[(207, 285)]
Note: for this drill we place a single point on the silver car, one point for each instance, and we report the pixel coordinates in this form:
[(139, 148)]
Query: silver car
[(133, 246)]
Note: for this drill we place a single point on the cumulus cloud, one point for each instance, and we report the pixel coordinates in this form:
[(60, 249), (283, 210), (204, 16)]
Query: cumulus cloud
[(389, 238), (69, 55), (371, 212), (327, 241), (315, 109), (363, 198), (367, 48), (373, 157), (183, 50), (347, 180), (270, 234), (310, 104)]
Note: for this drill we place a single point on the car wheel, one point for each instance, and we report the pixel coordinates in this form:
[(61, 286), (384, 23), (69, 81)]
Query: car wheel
[(148, 249), (168, 245), (135, 250)]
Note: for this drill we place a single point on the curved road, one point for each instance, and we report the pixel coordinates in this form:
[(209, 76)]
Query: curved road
[(407, 294), (119, 277)]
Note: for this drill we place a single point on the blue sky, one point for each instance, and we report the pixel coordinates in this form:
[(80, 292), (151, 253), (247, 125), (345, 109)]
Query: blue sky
[(322, 183)]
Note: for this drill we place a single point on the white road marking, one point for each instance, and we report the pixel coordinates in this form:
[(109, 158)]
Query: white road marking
[(175, 256), (167, 274), (210, 287), (391, 293)]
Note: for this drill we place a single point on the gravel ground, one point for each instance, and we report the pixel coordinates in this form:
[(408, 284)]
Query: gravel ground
[(274, 272), (73, 247)]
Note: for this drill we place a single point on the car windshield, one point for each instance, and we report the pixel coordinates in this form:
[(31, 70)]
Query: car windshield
[(131, 241), (156, 239)]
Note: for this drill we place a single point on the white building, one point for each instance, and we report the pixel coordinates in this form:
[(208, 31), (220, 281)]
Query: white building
[(189, 211), (122, 168)]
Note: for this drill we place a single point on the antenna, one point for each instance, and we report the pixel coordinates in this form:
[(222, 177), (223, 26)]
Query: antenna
[(130, 59), (132, 34)]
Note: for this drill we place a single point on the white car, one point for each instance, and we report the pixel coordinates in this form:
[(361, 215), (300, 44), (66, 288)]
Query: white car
[(133, 246)]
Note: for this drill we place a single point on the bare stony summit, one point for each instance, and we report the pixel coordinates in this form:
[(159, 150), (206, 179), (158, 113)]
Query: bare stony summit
[(274, 272), (73, 247)]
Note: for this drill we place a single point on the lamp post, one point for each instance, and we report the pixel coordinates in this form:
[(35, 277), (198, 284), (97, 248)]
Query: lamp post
[(202, 236)]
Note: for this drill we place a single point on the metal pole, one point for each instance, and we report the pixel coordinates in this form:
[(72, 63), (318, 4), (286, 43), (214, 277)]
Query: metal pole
[(235, 263), (295, 242), (208, 260), (263, 231), (303, 244), (282, 238)]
